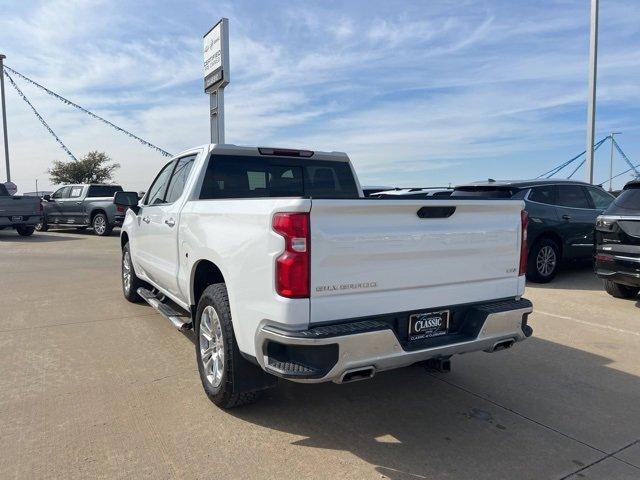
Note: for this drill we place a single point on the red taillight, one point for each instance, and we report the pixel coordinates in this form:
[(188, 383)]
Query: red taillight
[(120, 208), (524, 249), (293, 266), (41, 207), (603, 257)]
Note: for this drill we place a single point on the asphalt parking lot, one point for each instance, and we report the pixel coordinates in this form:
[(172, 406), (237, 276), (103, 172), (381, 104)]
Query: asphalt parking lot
[(92, 386)]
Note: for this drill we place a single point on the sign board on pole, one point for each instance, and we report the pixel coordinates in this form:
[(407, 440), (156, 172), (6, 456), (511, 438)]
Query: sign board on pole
[(216, 56)]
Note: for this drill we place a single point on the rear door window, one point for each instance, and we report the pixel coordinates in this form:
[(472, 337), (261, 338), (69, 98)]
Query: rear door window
[(572, 196), (76, 192), (545, 194)]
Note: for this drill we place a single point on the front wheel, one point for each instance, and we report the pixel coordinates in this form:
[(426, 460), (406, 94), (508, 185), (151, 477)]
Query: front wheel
[(544, 261), (25, 231), (101, 225), (130, 281), (619, 290), (215, 348)]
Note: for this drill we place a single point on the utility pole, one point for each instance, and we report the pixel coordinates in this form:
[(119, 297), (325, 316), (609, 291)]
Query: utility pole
[(611, 159), (591, 106), (4, 117)]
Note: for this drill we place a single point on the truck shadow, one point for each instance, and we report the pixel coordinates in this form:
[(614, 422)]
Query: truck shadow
[(514, 414), (11, 236), (573, 276)]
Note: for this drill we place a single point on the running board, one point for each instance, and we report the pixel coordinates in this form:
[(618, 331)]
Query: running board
[(179, 320)]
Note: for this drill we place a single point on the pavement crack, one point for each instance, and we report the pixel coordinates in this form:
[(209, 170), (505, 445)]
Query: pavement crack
[(609, 455), (544, 425)]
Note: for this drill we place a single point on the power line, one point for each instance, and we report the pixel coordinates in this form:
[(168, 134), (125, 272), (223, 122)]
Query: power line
[(82, 109), (46, 125)]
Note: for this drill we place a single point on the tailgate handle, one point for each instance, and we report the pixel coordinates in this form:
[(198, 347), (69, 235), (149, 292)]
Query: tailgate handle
[(436, 212)]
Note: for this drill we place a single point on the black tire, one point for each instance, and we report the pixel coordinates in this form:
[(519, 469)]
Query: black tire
[(543, 261), (25, 231), (130, 293), (619, 290), (42, 227), (223, 394), (101, 225)]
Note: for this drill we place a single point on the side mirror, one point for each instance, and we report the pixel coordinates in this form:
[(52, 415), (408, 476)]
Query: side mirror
[(126, 199), (46, 198)]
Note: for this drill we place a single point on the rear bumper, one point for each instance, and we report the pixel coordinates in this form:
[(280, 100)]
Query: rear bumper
[(624, 269), (25, 220), (328, 352)]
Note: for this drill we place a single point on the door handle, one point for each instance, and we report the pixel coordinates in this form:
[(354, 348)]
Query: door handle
[(171, 222), (566, 217), (146, 219), (78, 203)]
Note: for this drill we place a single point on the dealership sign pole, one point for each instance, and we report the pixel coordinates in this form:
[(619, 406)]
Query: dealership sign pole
[(4, 118), (591, 105), (216, 75)]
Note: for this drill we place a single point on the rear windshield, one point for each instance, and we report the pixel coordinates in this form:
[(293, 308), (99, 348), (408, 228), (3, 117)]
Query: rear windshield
[(234, 176), (629, 199), (3, 191), (482, 192), (103, 190)]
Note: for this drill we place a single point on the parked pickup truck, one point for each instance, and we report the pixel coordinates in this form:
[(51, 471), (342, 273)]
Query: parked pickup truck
[(83, 206), (19, 212), (283, 269)]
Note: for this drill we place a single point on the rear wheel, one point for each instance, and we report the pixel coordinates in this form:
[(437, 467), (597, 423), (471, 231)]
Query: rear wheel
[(619, 290), (101, 226), (543, 261), (216, 349), (25, 231)]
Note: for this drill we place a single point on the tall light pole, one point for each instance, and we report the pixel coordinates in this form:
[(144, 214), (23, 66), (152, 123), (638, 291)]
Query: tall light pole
[(591, 107), (611, 159), (4, 118)]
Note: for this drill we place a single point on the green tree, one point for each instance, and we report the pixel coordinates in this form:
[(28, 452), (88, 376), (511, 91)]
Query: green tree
[(94, 167)]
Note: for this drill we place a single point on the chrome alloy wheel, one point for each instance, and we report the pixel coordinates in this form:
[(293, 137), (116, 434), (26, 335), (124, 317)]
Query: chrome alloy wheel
[(211, 346), (546, 261), (126, 272), (99, 225)]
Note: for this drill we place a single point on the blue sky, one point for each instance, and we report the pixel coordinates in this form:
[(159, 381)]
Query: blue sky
[(418, 93)]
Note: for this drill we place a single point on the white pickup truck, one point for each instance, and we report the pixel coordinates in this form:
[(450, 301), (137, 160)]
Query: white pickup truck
[(283, 269)]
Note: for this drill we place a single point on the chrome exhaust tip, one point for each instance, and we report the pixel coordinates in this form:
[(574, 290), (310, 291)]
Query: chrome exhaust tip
[(502, 345), (355, 374)]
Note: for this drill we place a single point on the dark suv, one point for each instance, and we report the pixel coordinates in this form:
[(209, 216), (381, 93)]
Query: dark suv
[(618, 244), (562, 218)]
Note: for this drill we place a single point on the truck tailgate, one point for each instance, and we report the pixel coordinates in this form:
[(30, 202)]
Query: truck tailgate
[(371, 257), (17, 205)]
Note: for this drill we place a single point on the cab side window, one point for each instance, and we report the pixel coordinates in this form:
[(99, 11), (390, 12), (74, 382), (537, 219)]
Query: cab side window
[(158, 189), (179, 178), (61, 193)]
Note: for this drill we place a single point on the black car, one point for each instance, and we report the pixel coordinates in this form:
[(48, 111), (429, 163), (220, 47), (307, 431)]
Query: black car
[(618, 244), (562, 217)]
